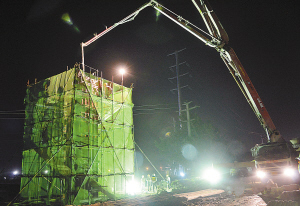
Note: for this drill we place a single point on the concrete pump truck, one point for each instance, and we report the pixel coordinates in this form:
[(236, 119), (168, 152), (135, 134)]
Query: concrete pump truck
[(277, 157)]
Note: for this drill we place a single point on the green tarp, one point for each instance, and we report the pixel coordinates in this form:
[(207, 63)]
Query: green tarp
[(78, 140)]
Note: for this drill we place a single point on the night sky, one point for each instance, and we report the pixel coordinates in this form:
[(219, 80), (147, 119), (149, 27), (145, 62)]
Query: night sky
[(37, 43)]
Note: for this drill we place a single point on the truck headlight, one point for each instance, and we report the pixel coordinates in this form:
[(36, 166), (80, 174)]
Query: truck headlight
[(289, 172), (211, 175), (261, 174)]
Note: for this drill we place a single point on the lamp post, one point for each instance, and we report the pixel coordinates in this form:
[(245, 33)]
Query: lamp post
[(122, 72)]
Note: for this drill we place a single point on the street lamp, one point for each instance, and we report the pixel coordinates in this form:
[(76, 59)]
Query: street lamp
[(122, 72)]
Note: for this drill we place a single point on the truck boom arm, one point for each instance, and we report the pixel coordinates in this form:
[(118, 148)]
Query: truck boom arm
[(219, 41)]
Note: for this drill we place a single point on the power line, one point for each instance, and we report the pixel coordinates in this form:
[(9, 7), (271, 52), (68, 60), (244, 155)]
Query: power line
[(152, 113), (155, 109), (13, 111), (154, 105), (12, 117)]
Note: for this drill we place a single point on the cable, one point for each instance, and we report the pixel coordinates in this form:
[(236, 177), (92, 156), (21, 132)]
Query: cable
[(154, 105), (13, 111), (12, 118), (155, 109), (152, 113), (148, 160)]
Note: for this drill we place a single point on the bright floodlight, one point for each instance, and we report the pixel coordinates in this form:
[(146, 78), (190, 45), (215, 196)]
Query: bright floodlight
[(122, 71), (211, 175), (132, 187), (261, 174), (182, 174), (15, 172), (289, 172)]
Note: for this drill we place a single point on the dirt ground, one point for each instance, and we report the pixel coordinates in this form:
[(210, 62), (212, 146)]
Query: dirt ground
[(184, 199), (232, 193)]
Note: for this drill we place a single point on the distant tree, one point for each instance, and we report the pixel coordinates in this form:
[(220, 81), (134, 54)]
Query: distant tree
[(170, 143)]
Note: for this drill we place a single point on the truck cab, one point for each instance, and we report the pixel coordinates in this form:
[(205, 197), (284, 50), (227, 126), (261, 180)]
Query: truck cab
[(276, 161)]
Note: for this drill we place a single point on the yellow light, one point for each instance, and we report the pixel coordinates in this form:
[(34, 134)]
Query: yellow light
[(168, 134)]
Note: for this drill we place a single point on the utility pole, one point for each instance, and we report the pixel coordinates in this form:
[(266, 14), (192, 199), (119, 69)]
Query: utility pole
[(178, 83), (188, 116)]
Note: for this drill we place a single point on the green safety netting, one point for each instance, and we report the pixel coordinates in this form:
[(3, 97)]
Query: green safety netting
[(78, 140)]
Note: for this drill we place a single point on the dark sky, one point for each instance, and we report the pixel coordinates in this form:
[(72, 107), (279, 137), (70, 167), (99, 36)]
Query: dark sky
[(36, 43)]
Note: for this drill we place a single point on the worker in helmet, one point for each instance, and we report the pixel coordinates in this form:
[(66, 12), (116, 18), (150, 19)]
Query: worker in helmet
[(149, 183), (154, 181)]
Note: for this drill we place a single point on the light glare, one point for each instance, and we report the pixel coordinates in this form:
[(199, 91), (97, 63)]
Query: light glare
[(122, 71), (211, 175), (261, 174), (132, 187), (288, 172)]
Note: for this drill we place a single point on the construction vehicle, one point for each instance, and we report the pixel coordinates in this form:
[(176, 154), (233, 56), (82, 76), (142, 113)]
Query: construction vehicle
[(277, 156)]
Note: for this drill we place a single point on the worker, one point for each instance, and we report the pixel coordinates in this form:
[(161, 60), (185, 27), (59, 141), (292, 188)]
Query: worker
[(143, 183), (149, 183), (154, 181), (168, 180)]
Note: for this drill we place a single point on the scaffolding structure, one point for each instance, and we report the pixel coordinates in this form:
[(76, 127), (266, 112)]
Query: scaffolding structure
[(78, 140)]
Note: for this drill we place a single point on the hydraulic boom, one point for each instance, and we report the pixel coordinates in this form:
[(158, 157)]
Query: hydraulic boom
[(218, 39)]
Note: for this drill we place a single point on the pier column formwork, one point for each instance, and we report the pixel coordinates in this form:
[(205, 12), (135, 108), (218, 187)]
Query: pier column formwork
[(78, 140)]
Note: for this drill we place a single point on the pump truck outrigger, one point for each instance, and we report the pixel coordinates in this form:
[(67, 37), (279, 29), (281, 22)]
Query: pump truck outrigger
[(275, 157)]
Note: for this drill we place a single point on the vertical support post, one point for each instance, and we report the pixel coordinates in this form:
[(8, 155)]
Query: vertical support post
[(268, 135), (188, 118), (82, 57), (112, 127), (178, 87), (123, 124), (122, 88)]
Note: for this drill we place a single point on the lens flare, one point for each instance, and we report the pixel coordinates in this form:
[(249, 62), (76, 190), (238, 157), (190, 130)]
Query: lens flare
[(158, 13), (66, 18), (189, 152)]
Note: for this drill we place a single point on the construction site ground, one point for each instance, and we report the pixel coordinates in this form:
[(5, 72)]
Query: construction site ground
[(234, 192)]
